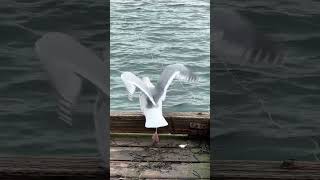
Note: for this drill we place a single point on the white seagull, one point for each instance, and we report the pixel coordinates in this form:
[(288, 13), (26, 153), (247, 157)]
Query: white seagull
[(68, 63), (151, 96)]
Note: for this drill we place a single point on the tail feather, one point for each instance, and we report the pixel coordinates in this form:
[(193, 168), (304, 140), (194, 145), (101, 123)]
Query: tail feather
[(155, 122)]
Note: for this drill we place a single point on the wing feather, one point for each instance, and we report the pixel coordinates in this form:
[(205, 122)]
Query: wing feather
[(131, 81), (171, 72)]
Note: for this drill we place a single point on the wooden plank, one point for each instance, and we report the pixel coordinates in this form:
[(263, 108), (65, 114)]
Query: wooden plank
[(66, 168), (159, 170), (144, 140), (87, 168), (192, 123), (140, 154), (133, 157), (273, 170)]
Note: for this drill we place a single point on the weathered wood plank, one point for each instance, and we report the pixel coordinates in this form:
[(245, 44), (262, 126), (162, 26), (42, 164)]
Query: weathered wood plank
[(192, 123), (133, 157), (159, 170), (144, 140), (50, 168), (274, 170), (140, 154), (86, 168)]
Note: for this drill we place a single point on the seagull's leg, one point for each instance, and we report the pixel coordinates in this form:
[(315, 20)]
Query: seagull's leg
[(155, 137)]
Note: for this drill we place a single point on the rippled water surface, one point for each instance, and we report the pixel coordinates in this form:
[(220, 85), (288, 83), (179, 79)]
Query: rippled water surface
[(28, 118), (146, 36), (288, 125)]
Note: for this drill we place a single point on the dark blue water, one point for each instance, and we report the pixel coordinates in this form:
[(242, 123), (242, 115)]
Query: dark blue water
[(278, 117), (28, 118)]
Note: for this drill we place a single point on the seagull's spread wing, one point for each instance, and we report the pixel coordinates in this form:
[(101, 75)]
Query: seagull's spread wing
[(59, 48), (68, 94), (66, 83), (237, 40), (67, 62), (143, 102), (178, 71), (131, 81)]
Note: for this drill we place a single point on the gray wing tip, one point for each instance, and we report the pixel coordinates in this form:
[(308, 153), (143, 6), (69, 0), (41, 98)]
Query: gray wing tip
[(65, 115), (190, 76), (194, 78), (65, 118), (64, 110)]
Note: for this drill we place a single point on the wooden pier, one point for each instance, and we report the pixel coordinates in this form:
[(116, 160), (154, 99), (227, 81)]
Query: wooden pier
[(183, 153), (190, 123), (265, 170)]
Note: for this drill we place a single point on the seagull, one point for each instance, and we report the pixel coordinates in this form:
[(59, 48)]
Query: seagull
[(68, 63), (237, 41), (152, 96)]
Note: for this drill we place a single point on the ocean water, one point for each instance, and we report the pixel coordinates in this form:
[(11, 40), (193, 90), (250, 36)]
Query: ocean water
[(28, 117), (148, 35), (242, 127), (177, 32), (171, 32)]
